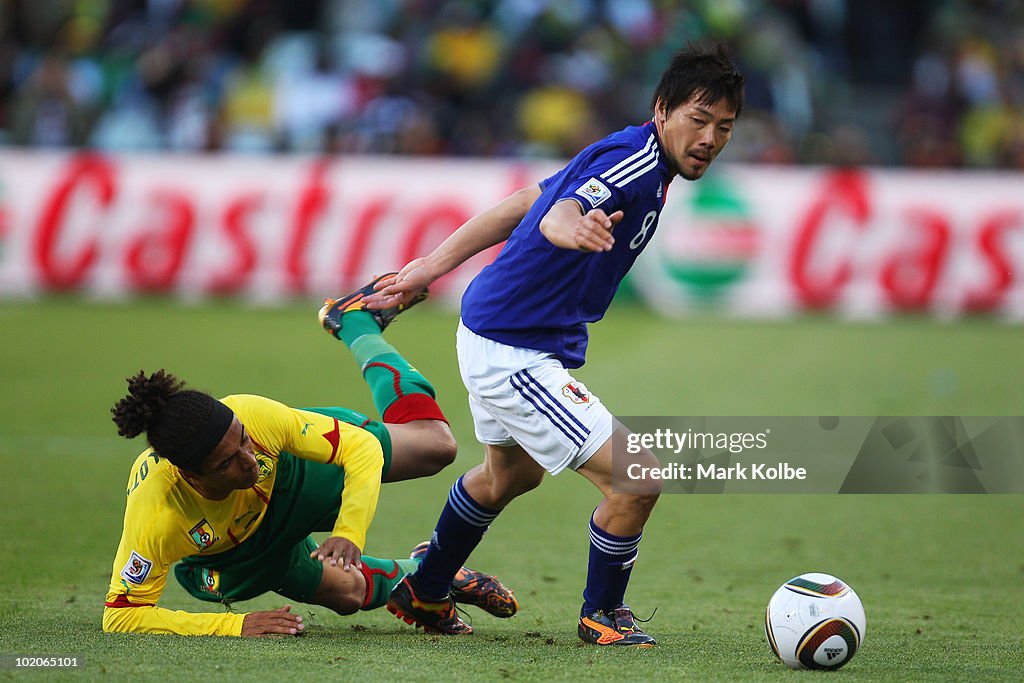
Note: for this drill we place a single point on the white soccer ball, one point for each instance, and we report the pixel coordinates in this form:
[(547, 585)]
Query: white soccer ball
[(815, 621)]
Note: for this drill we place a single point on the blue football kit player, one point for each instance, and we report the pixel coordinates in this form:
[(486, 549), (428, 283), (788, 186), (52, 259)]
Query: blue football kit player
[(570, 241)]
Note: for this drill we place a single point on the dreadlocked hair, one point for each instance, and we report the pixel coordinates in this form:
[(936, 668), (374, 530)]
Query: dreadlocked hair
[(160, 406)]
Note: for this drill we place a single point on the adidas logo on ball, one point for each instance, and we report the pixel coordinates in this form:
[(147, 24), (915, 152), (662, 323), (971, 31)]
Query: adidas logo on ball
[(815, 621)]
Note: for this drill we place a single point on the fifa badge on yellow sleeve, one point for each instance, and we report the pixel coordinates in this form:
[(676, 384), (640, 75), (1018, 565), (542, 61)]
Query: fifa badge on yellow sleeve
[(136, 569)]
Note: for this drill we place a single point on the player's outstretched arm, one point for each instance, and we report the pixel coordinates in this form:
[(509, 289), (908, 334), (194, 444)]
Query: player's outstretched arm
[(483, 231), (153, 619), (567, 227)]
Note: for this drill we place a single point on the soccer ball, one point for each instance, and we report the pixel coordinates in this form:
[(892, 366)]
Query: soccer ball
[(815, 621)]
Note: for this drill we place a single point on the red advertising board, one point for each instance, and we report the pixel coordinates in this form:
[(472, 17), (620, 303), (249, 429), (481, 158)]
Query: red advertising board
[(747, 240)]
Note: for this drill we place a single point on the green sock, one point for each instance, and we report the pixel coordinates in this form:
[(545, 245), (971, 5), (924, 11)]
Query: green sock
[(389, 375), (382, 576), (355, 324)]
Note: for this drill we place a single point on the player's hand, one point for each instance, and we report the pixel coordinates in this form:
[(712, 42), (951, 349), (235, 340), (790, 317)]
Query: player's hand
[(403, 287), (277, 622), (337, 550), (593, 230)]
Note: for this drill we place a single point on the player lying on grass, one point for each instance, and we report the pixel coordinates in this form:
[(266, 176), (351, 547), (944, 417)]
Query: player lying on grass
[(233, 488), (571, 239)]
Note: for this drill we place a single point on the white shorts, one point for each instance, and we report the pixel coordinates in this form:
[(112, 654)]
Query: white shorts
[(524, 396)]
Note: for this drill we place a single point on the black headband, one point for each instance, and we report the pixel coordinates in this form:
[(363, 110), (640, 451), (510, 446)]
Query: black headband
[(206, 438)]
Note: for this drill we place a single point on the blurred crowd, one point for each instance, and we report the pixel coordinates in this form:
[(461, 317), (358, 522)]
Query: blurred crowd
[(924, 83)]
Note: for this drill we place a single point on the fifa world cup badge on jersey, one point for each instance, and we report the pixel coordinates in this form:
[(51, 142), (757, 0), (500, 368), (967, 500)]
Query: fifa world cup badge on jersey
[(594, 191), (576, 392), (202, 534), (137, 569)]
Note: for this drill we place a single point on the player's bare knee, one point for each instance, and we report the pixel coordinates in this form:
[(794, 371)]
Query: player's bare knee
[(345, 602), (438, 448), (445, 447)]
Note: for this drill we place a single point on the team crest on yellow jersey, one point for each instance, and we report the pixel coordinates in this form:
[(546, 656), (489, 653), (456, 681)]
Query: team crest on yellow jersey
[(266, 464), (202, 534), (209, 580)]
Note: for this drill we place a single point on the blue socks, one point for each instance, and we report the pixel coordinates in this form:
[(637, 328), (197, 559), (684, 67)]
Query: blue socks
[(459, 529), (611, 563), (462, 524)]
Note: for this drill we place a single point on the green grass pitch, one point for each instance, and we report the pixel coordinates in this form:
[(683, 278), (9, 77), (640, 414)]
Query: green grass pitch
[(940, 576)]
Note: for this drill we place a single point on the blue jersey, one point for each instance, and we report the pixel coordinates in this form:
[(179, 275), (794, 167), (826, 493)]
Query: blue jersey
[(539, 296)]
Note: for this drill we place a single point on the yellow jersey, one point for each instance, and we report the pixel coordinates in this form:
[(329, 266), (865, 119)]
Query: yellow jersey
[(166, 519)]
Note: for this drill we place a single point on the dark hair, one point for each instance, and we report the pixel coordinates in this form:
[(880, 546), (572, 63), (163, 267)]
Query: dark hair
[(171, 415), (694, 70)]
